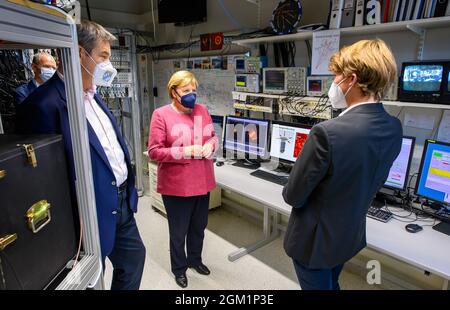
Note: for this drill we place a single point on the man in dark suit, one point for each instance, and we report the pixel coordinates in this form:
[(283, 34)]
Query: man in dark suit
[(43, 66), (341, 167), (45, 111)]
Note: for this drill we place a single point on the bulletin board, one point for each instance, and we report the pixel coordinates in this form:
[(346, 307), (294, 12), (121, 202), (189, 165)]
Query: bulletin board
[(215, 76)]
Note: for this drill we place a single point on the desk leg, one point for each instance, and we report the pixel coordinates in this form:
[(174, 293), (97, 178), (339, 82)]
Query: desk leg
[(269, 236), (445, 285)]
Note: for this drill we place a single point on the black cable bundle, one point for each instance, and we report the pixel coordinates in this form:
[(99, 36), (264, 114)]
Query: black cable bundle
[(295, 104), (12, 75)]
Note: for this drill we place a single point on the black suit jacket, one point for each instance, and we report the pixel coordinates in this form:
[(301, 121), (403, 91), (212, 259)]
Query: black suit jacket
[(23, 91), (342, 165)]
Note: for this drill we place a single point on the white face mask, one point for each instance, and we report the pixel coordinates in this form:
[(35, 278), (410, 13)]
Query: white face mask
[(104, 72), (47, 73), (337, 96)]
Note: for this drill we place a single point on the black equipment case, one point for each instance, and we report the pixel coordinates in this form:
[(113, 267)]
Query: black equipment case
[(38, 234)]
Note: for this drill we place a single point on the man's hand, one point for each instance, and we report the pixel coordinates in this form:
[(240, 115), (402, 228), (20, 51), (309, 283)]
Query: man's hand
[(207, 150)]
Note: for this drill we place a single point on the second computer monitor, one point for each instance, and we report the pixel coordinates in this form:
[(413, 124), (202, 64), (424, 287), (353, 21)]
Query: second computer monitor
[(246, 136), (287, 140), (217, 121), (398, 174), (434, 173)]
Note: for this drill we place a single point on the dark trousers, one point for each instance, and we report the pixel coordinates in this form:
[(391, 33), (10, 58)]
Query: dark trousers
[(318, 279), (187, 217), (128, 254)]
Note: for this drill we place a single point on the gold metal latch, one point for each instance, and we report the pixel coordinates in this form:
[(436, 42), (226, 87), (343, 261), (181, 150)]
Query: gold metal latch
[(39, 215), (29, 149), (7, 240), (2, 174)]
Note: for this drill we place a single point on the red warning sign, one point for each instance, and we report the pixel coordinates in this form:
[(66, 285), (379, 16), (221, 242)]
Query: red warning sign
[(217, 41), (211, 41)]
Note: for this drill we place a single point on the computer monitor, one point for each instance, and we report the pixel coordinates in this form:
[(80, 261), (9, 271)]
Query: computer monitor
[(426, 78), (287, 140), (398, 174), (218, 129), (246, 136), (446, 94), (434, 173), (424, 81)]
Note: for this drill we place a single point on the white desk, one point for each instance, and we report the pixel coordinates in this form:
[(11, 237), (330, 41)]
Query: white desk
[(428, 249)]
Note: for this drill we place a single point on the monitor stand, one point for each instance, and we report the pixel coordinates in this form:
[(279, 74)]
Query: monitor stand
[(442, 227), (284, 168), (385, 195), (246, 163), (434, 205)]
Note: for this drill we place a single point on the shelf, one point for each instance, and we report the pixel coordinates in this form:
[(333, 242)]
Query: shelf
[(237, 95), (417, 105), (242, 96), (410, 25)]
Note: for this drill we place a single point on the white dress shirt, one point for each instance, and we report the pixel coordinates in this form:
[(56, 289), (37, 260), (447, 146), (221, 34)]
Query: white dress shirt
[(353, 106), (104, 130)]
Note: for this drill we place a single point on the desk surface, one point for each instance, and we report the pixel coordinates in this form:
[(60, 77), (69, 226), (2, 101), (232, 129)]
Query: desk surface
[(427, 249)]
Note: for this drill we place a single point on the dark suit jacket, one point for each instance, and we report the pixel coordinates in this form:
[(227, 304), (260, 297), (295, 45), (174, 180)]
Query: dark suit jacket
[(342, 165), (45, 111), (23, 91)]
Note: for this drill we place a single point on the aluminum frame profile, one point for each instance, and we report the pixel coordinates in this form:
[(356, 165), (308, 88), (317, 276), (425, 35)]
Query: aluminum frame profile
[(25, 25)]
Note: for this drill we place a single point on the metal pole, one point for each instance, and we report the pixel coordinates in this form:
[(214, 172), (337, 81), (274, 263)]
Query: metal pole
[(136, 118)]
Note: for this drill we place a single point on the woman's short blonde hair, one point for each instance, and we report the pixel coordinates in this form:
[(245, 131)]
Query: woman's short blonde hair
[(180, 79), (372, 62)]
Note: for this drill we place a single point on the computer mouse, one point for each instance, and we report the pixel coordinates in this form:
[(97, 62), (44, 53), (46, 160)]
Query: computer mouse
[(219, 163), (413, 228)]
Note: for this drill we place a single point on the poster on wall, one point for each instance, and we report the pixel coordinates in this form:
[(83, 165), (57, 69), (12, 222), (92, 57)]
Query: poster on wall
[(197, 63), (216, 62), (325, 44), (444, 127), (215, 86), (206, 63)]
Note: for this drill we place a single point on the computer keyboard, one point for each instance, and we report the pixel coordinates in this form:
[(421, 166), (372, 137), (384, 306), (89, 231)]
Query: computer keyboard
[(278, 179), (378, 214)]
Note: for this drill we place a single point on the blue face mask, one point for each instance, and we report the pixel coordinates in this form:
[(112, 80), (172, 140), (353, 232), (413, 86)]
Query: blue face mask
[(47, 73), (188, 100)]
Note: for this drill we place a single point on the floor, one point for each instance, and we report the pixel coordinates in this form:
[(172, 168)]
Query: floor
[(268, 268)]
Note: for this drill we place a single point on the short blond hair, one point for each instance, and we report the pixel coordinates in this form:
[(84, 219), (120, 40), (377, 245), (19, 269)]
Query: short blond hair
[(180, 79), (373, 63)]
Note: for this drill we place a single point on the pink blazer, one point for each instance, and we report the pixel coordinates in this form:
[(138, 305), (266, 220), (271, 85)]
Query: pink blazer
[(170, 131)]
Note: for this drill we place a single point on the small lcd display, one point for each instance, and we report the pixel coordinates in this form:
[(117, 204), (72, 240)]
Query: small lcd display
[(241, 81), (274, 79), (315, 85), (240, 64)]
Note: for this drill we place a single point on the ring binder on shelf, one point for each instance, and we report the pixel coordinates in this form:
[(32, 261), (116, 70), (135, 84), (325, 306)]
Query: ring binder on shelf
[(349, 13), (335, 14), (359, 13)]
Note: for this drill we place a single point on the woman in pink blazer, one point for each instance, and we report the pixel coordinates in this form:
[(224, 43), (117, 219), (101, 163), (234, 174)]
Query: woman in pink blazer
[(182, 141)]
